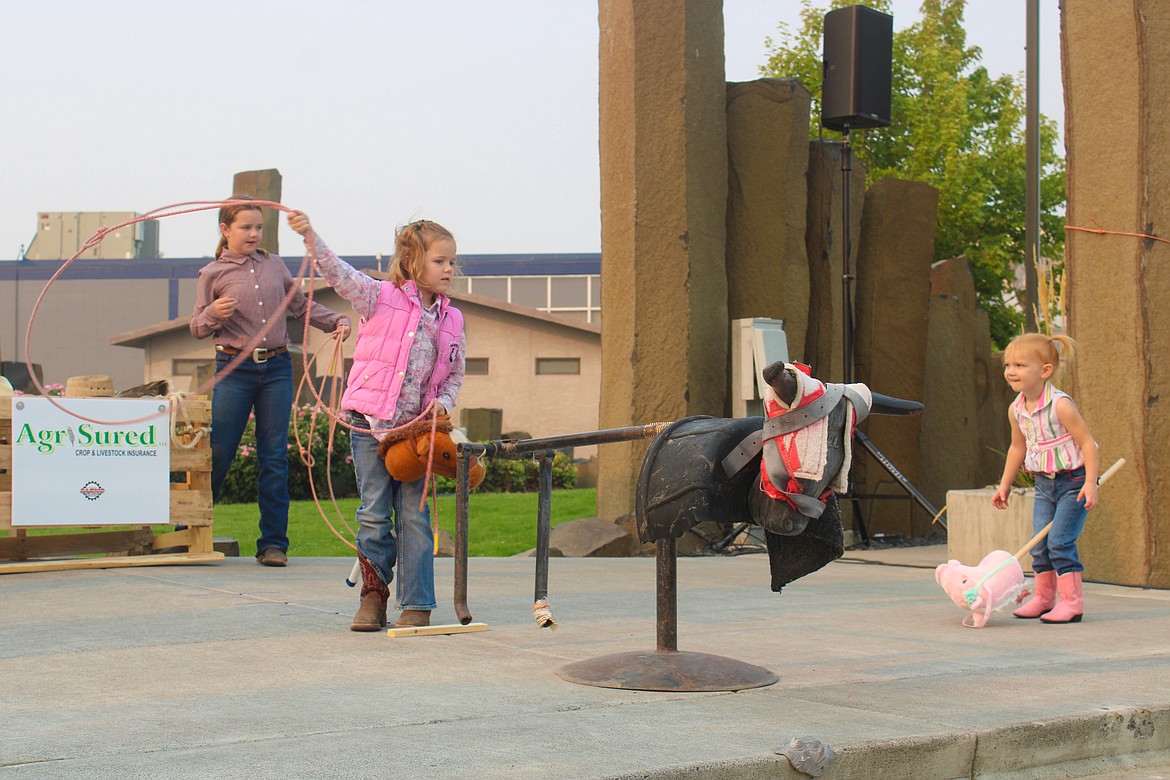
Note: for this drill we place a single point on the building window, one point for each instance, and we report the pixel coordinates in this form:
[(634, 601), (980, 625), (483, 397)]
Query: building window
[(189, 366), (476, 366), (531, 291), (558, 366)]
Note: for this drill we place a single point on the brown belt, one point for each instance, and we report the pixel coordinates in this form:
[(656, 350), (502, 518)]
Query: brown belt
[(258, 355)]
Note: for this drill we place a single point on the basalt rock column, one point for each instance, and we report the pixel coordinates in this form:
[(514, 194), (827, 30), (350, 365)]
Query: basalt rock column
[(893, 291), (767, 152), (663, 145), (824, 247), (262, 185), (1117, 135)]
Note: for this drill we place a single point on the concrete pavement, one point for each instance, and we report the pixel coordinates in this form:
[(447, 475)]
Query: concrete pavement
[(237, 670)]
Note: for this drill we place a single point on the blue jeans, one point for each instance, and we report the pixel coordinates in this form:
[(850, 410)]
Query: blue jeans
[(406, 537), (268, 389), (1056, 501)]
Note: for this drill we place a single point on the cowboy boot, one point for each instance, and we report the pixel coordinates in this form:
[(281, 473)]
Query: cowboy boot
[(1043, 599), (1072, 602), (413, 618), (371, 615)]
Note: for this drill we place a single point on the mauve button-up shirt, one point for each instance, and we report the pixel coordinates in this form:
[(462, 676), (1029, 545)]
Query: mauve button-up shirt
[(259, 283)]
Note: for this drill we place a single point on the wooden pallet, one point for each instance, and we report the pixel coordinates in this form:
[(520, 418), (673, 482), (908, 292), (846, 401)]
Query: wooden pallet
[(21, 551)]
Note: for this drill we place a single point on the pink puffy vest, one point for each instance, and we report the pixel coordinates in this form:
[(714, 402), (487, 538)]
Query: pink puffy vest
[(383, 346)]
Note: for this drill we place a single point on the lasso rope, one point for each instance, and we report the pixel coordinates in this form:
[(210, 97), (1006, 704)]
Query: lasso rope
[(177, 401)]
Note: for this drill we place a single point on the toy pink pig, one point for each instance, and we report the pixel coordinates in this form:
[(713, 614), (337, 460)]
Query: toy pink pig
[(992, 585)]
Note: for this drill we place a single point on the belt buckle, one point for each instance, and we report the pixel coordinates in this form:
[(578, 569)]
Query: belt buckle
[(258, 355)]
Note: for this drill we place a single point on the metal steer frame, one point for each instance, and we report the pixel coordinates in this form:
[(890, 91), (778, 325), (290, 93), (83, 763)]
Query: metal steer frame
[(664, 669)]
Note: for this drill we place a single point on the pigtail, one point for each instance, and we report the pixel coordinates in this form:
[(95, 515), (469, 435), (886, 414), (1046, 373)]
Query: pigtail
[(1065, 350)]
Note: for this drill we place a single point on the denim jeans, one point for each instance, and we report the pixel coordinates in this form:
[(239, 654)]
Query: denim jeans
[(406, 537), (266, 388), (1056, 501)]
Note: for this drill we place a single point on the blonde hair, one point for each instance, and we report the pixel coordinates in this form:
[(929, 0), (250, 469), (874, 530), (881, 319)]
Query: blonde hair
[(228, 214), (411, 243), (1048, 349)]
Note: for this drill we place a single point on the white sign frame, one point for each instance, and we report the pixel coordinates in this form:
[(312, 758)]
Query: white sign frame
[(67, 471)]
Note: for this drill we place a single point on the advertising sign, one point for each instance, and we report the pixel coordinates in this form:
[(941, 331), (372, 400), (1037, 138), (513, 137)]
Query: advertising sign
[(68, 471)]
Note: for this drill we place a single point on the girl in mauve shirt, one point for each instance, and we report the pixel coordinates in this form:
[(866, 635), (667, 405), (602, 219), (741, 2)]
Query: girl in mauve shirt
[(236, 302)]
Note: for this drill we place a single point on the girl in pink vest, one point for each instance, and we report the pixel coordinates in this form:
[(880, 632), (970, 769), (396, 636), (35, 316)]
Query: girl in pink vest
[(1051, 441), (410, 350)]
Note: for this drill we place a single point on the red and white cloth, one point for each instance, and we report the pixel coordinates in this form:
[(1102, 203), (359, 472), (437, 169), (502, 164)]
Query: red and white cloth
[(805, 451)]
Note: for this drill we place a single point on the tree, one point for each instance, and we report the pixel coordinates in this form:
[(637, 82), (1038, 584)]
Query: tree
[(956, 128)]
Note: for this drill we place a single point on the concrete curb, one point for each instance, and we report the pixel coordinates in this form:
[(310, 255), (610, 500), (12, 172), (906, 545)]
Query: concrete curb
[(1118, 739)]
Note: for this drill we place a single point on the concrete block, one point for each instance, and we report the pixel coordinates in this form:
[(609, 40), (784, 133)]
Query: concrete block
[(975, 527)]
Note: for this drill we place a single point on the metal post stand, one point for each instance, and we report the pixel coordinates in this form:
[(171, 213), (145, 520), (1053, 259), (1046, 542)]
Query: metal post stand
[(667, 669)]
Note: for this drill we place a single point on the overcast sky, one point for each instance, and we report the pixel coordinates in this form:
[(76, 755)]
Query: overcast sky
[(481, 114)]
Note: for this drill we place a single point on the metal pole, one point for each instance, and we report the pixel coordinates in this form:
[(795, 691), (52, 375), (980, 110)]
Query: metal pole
[(847, 251), (667, 595), (892, 469), (504, 448), (543, 524), (462, 493), (1032, 314)]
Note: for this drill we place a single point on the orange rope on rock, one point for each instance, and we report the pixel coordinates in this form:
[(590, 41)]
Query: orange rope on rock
[(1100, 231)]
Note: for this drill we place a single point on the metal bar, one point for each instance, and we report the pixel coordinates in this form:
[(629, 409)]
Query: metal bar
[(505, 448), (462, 493), (543, 524), (667, 595), (1032, 313), (847, 251), (897, 475)]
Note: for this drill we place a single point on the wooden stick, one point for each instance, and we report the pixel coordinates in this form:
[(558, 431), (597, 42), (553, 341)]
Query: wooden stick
[(435, 630), (1044, 531)]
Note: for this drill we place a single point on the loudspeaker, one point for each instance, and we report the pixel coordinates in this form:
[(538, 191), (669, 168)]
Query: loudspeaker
[(858, 52)]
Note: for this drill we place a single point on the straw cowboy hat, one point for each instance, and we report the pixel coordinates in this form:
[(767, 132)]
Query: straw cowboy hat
[(92, 386)]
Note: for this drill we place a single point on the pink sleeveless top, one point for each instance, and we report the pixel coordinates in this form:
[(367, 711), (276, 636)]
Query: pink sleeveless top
[(1051, 448)]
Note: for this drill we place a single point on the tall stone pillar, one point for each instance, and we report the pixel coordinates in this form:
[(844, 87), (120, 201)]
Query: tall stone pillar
[(767, 204), (262, 185), (890, 335), (663, 203), (950, 425), (1117, 135)]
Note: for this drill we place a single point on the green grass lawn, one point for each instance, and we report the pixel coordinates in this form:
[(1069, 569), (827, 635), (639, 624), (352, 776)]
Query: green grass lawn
[(499, 523)]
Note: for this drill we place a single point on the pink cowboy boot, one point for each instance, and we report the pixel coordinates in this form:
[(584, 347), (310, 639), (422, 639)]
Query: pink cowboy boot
[(1043, 599), (1072, 601)]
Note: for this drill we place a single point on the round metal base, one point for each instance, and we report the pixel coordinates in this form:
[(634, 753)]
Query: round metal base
[(667, 671)]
